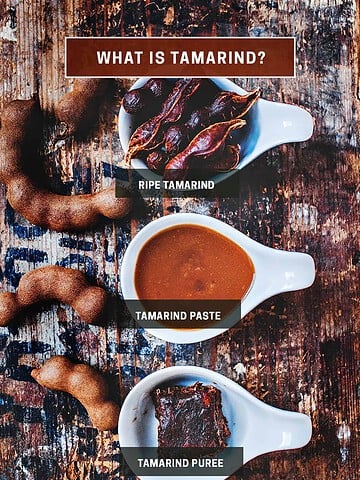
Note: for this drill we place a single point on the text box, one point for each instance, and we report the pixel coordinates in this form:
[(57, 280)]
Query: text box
[(180, 57)]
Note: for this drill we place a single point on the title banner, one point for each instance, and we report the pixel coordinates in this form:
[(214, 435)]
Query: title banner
[(180, 57)]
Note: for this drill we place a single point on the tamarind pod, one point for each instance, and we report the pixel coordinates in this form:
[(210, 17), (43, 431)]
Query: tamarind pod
[(37, 204), (79, 109), (177, 108), (64, 212), (55, 283), (148, 135), (84, 383), (204, 145)]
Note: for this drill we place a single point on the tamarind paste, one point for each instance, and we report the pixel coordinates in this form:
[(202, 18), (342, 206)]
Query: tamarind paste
[(192, 262)]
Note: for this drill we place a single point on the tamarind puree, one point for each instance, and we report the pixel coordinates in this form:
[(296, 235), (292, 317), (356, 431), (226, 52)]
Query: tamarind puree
[(192, 262)]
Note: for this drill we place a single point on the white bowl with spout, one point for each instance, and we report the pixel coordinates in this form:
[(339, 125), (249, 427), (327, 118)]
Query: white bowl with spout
[(276, 271), (269, 124), (257, 427)]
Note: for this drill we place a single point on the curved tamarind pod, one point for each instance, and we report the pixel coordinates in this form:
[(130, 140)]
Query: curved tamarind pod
[(64, 212), (21, 122), (85, 384), (204, 145), (79, 109), (55, 283)]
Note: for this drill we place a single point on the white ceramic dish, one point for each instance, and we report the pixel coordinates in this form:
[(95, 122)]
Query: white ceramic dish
[(254, 425), (276, 271), (269, 124)]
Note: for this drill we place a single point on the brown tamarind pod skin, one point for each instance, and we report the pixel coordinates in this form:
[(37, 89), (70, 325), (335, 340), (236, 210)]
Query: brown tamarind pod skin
[(21, 122), (79, 109), (55, 283), (85, 384)]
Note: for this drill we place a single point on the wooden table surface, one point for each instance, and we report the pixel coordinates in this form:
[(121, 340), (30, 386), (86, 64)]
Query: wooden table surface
[(297, 351)]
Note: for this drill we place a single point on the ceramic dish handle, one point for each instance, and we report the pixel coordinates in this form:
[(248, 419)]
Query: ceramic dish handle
[(293, 271), (289, 123), (286, 430), (280, 272)]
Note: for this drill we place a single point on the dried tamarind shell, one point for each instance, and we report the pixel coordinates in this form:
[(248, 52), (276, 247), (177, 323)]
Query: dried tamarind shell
[(225, 106)]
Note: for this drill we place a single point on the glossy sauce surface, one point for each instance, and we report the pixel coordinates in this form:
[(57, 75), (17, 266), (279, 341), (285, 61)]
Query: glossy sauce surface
[(192, 262)]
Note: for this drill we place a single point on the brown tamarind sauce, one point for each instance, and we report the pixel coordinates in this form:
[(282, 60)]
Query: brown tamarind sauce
[(192, 262)]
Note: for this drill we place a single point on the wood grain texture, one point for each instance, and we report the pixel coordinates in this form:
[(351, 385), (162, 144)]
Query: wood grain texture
[(299, 351)]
